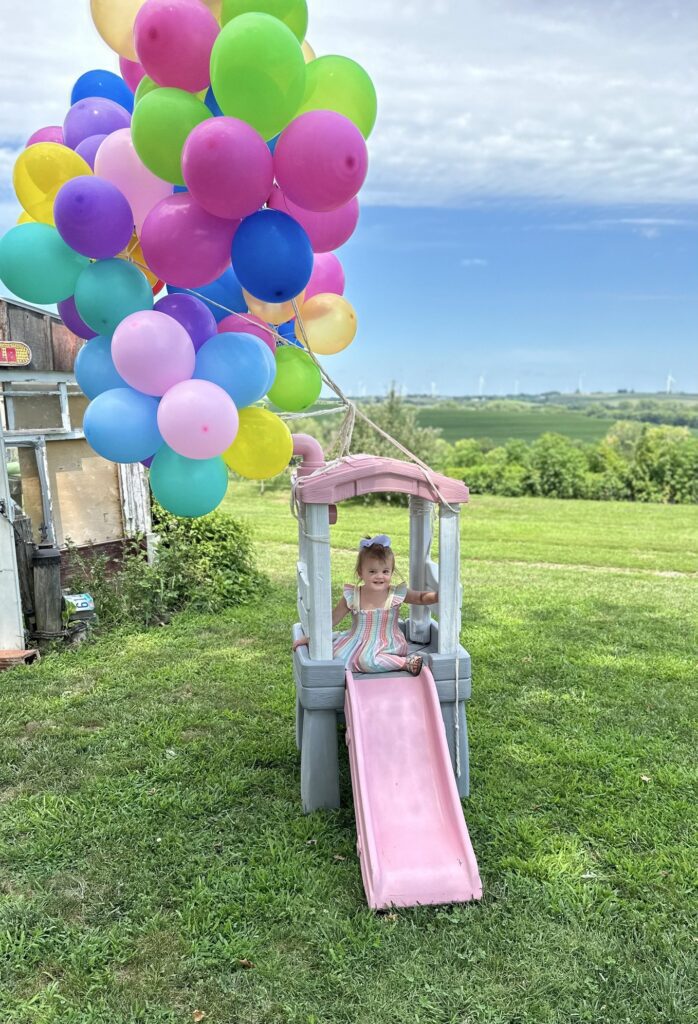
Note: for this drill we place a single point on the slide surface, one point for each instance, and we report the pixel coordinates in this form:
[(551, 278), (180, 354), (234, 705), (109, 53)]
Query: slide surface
[(413, 842)]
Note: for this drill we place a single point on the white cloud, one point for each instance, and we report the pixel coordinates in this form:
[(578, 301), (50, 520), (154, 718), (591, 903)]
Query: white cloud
[(563, 100), (473, 261)]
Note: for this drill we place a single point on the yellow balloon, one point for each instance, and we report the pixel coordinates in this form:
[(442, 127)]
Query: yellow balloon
[(272, 312), (308, 52), (39, 173), (215, 8), (114, 21), (24, 218), (263, 446), (329, 322), (134, 253)]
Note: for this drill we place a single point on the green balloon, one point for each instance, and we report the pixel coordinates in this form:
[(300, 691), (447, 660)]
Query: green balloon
[(109, 290), (37, 265), (297, 383), (258, 72), (293, 13), (187, 487), (161, 122), (339, 83), (145, 86)]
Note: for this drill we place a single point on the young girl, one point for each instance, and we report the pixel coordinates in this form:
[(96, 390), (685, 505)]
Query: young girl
[(375, 643)]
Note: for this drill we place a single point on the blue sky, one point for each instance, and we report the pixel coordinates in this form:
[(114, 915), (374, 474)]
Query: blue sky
[(530, 211)]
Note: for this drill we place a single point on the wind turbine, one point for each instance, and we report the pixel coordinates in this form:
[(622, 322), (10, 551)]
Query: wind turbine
[(580, 384), (481, 385), (516, 387), (669, 382)]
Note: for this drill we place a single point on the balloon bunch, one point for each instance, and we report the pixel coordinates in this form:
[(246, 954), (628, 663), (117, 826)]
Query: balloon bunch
[(223, 163)]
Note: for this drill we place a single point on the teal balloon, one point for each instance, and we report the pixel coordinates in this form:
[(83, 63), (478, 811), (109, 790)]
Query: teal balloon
[(109, 290), (37, 265), (188, 487)]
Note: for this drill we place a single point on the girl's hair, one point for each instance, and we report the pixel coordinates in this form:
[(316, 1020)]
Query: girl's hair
[(380, 551)]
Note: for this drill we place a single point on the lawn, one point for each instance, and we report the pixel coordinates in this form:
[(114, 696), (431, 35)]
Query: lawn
[(500, 426), (154, 861)]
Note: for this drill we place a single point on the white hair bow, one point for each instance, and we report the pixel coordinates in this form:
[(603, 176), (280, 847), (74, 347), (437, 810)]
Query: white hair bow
[(380, 538)]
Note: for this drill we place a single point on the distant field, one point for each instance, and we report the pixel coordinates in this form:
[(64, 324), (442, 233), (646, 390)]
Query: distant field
[(503, 426)]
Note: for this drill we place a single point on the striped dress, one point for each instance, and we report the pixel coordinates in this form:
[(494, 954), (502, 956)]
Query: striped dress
[(374, 643)]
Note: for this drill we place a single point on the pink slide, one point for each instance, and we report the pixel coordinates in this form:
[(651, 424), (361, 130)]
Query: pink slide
[(413, 842)]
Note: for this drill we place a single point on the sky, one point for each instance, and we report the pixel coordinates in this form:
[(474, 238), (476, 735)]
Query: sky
[(529, 222)]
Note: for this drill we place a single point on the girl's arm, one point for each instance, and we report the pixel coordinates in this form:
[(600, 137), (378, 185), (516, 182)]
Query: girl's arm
[(422, 597), (338, 613)]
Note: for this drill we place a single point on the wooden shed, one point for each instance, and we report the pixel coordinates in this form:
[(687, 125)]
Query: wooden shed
[(54, 489)]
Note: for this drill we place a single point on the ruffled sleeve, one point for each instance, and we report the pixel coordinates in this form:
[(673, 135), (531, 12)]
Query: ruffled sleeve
[(349, 591), (399, 595)]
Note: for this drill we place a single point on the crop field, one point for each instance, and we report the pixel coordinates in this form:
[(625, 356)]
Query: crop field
[(501, 426)]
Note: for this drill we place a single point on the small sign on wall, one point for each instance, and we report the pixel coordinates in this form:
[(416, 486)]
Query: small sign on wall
[(15, 353)]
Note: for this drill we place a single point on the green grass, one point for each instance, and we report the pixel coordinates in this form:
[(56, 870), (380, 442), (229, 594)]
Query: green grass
[(151, 839), (500, 426)]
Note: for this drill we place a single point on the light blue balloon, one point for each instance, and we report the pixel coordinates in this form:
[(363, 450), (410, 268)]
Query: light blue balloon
[(187, 487), (239, 363), (109, 290), (225, 295), (122, 425), (37, 265), (94, 368)]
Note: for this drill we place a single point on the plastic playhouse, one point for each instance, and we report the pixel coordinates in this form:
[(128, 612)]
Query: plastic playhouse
[(407, 735)]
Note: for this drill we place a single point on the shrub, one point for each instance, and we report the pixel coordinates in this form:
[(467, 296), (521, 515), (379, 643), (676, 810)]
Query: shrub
[(203, 564)]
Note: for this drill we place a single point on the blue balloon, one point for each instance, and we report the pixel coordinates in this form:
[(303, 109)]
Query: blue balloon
[(122, 425), (105, 84), (288, 331), (239, 363), (272, 143), (181, 188), (224, 292), (212, 103), (272, 256), (94, 368)]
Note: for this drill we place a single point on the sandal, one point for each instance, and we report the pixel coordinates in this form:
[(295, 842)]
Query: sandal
[(413, 664)]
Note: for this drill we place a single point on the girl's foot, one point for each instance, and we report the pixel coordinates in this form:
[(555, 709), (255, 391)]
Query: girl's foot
[(413, 664)]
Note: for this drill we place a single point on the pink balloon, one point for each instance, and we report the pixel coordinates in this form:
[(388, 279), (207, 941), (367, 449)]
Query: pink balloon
[(327, 276), (118, 162), (228, 167), (152, 352), (248, 324), (326, 231), (184, 244), (131, 72), (198, 419), (320, 160), (52, 133), (173, 40)]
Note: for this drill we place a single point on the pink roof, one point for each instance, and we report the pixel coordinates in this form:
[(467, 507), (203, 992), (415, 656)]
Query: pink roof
[(367, 474)]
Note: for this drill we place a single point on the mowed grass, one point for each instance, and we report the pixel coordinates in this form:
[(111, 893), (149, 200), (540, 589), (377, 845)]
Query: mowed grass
[(155, 861), (501, 426)]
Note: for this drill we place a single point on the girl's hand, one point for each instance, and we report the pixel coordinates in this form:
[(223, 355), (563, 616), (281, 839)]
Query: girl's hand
[(422, 597), (302, 641)]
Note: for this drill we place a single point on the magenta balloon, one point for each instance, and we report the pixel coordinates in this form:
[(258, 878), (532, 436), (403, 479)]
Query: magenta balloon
[(327, 276), (198, 419), (88, 148), (227, 167), (93, 217), (173, 40), (72, 319), (95, 115), (248, 323), (326, 231), (118, 162), (152, 352), (52, 133), (320, 160), (195, 316), (131, 72), (184, 244)]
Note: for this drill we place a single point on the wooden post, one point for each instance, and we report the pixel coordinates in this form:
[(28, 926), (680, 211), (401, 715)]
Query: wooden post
[(24, 549), (11, 623), (449, 580), (419, 622), (48, 596)]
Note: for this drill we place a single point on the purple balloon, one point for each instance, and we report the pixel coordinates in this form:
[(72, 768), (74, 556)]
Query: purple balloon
[(52, 133), (72, 320), (147, 462), (95, 115), (195, 317), (93, 217), (88, 148)]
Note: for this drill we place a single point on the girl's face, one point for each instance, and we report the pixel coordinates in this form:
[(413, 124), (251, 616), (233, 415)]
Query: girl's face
[(376, 573)]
